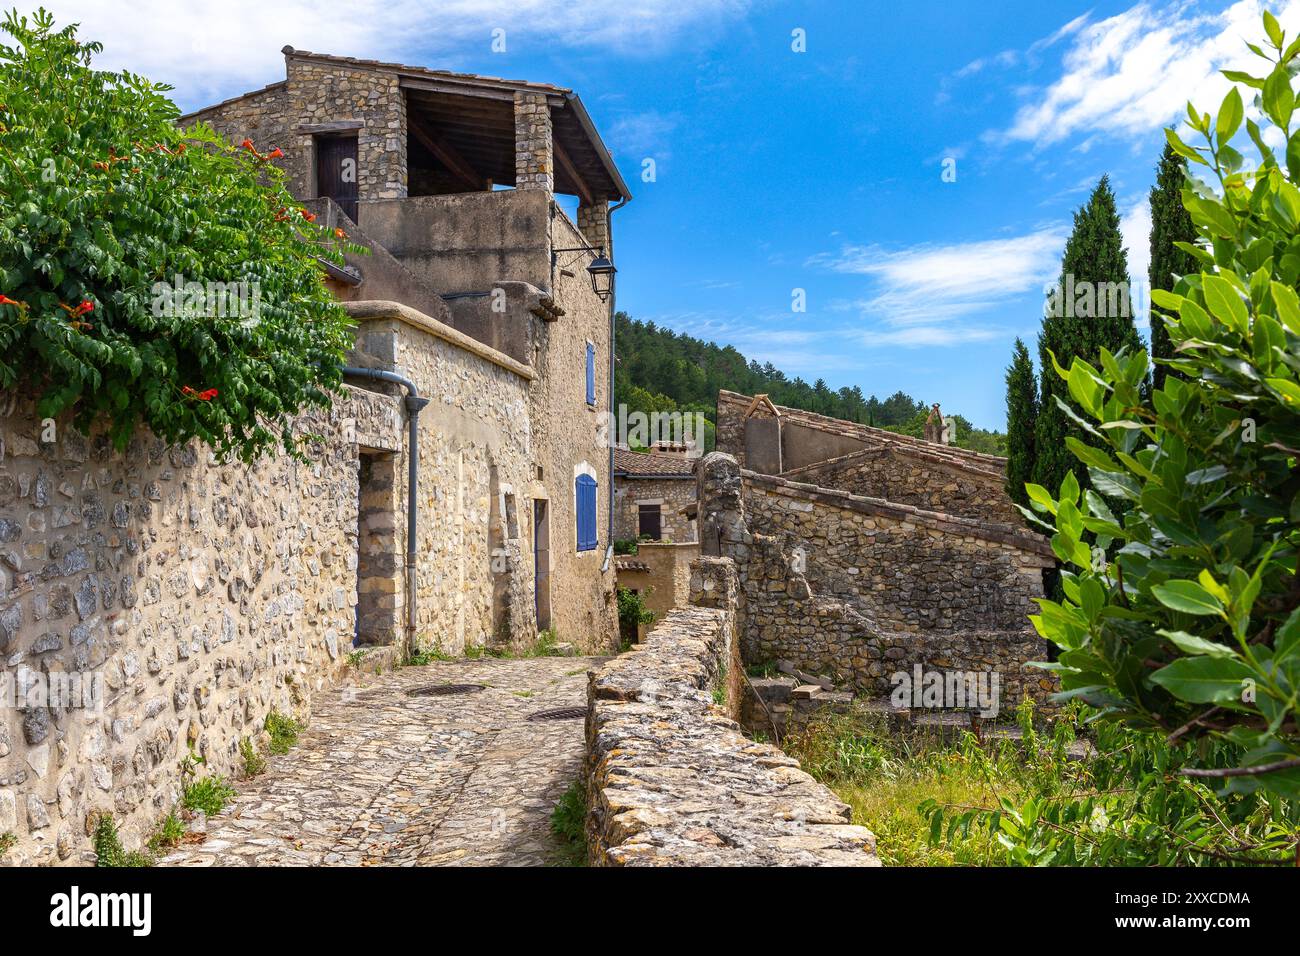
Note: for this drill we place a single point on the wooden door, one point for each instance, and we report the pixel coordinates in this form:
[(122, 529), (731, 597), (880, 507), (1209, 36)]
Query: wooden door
[(336, 171)]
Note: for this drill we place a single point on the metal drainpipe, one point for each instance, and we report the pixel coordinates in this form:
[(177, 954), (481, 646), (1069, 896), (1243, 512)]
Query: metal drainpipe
[(609, 233), (414, 403)]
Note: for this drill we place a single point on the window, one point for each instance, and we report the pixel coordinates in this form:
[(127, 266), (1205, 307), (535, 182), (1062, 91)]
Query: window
[(649, 521), (585, 502), (591, 374)]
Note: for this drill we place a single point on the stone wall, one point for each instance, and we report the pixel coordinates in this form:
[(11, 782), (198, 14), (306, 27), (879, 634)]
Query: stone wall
[(671, 780), (673, 495), (858, 589), (203, 594), (915, 477), (475, 566)]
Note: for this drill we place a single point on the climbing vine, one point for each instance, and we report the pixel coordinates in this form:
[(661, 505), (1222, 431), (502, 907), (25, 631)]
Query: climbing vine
[(150, 275)]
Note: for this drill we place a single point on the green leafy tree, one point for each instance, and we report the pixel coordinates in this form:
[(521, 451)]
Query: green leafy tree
[(103, 204), (1022, 416), (1170, 224), (1088, 310), (1193, 630)]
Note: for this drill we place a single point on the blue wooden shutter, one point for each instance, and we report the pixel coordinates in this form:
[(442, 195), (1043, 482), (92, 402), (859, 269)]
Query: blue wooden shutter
[(585, 502), (591, 374)]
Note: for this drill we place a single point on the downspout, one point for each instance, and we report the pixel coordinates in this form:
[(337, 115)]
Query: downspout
[(609, 231), (414, 403)]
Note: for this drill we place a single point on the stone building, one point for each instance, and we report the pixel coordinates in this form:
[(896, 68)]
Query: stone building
[(450, 180), (653, 491), (654, 499), (198, 595), (862, 554)]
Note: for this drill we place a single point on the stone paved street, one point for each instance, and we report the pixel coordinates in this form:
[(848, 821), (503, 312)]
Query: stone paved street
[(383, 777)]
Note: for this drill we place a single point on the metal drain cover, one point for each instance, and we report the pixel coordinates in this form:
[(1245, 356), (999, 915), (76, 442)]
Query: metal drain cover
[(564, 713), (444, 690)]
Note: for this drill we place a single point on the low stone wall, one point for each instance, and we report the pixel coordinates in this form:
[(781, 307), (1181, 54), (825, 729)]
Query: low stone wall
[(860, 589), (671, 780), (201, 594)]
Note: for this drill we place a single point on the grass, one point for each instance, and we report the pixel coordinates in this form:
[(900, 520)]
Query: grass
[(254, 762), (168, 834), (207, 794), (546, 645), (283, 731), (7, 842), (884, 777), (569, 824)]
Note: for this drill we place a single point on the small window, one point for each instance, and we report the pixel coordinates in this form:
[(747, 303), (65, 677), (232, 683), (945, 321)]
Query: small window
[(585, 503), (591, 374), (649, 522)]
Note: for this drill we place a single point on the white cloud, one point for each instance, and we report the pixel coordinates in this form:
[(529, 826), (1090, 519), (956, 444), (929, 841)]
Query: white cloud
[(1135, 227), (210, 51), (1135, 71), (640, 135), (928, 286)]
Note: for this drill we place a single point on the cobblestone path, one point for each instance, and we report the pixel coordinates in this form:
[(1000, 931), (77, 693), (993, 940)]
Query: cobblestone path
[(387, 777)]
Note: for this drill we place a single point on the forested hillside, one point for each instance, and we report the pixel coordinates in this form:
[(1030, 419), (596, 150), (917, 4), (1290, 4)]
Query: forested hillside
[(660, 370)]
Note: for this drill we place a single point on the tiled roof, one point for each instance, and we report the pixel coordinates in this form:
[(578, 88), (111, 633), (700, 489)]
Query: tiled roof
[(635, 464)]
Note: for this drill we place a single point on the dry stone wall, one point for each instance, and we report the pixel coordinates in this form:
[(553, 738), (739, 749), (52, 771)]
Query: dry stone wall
[(859, 589), (912, 477), (671, 779), (203, 595)]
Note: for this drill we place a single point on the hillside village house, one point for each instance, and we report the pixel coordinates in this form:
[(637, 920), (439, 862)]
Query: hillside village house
[(418, 161), (209, 594)]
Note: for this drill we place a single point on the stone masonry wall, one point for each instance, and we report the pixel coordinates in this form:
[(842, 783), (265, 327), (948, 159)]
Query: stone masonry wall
[(671, 779), (858, 589), (314, 95), (675, 494), (911, 477), (474, 571), (203, 594)]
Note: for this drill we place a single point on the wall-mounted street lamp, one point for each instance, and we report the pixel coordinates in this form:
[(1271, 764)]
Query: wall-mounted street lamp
[(601, 271)]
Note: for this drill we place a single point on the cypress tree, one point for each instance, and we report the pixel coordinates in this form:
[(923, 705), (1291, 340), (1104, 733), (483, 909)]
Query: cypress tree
[(1022, 414), (1170, 223), (1090, 309)]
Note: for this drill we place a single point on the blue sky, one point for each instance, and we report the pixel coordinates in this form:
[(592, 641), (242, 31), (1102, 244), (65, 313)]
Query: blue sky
[(778, 170)]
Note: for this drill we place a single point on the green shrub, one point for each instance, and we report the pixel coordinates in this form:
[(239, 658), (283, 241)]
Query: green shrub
[(254, 762), (167, 834), (283, 731), (103, 203), (207, 794), (1185, 618), (109, 851), (632, 614)]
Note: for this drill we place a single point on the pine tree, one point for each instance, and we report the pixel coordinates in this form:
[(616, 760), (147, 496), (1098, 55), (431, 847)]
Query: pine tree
[(1022, 414), (1170, 223), (1089, 309)]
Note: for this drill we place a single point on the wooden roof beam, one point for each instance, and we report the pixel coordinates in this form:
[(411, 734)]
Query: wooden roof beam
[(445, 154), (570, 170)]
